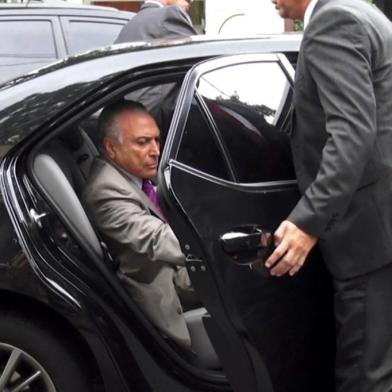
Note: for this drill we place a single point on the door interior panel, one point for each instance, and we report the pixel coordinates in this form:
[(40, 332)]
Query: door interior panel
[(287, 320)]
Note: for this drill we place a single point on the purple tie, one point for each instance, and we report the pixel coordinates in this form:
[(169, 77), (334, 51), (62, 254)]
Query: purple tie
[(149, 190)]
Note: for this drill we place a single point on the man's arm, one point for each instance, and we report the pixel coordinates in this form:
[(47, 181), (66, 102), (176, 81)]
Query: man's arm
[(123, 219), (337, 52), (338, 58)]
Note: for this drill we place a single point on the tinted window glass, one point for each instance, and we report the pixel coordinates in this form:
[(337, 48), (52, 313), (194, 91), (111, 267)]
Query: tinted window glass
[(89, 34), (198, 148), (27, 38), (246, 102)]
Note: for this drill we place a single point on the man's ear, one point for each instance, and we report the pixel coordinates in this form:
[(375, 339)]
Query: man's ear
[(108, 147)]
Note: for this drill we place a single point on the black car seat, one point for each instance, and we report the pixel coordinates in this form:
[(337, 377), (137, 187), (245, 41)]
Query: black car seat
[(74, 152)]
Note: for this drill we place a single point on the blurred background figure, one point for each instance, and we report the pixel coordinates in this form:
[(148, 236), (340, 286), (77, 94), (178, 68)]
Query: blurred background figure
[(159, 19), (164, 19)]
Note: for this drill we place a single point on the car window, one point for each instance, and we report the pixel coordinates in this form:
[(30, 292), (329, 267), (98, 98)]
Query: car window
[(83, 35), (247, 103), (27, 38), (199, 147)]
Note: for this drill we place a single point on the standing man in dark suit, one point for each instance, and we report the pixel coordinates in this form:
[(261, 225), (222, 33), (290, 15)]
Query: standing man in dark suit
[(159, 19), (342, 147)]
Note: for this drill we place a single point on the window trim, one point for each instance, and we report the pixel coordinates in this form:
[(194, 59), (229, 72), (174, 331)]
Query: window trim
[(66, 21), (215, 134), (185, 97), (54, 30)]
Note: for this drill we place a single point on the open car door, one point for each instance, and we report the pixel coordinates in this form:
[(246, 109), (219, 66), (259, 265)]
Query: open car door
[(227, 179)]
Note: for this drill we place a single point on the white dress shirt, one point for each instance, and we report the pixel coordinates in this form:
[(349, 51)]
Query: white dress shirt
[(309, 11), (154, 2)]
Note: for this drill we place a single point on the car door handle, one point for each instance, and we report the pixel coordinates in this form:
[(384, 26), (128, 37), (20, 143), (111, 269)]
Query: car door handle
[(248, 246), (245, 240)]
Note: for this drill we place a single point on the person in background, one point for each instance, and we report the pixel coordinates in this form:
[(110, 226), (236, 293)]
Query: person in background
[(158, 19), (341, 140)]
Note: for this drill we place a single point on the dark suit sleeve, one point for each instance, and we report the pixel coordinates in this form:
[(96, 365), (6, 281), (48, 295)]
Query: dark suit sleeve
[(338, 59), (176, 23)]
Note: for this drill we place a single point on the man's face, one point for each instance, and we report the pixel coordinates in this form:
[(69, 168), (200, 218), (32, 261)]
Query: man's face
[(138, 150), (184, 4), (291, 9)]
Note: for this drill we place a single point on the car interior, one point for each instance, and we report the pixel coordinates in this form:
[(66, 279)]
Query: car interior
[(60, 167), (57, 161)]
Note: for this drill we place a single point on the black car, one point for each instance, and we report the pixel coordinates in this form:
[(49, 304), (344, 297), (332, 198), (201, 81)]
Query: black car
[(34, 34), (225, 178)]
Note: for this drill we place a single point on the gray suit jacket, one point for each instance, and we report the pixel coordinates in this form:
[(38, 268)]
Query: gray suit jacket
[(342, 135), (154, 22), (145, 246)]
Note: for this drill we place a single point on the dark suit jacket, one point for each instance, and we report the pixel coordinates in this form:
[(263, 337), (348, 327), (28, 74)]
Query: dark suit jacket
[(153, 22), (342, 135)]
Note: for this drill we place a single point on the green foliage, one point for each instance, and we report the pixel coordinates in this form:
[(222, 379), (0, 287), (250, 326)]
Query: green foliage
[(298, 25)]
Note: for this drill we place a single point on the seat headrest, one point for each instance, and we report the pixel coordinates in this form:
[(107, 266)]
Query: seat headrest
[(73, 138)]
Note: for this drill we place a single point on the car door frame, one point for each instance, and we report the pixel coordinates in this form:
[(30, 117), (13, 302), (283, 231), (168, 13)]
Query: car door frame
[(246, 371)]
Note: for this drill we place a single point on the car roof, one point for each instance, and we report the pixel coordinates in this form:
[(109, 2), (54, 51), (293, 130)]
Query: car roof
[(145, 53), (195, 46), (60, 8), (28, 99)]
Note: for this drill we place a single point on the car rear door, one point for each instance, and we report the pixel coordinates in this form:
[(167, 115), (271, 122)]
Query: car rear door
[(83, 33), (30, 41), (227, 181)]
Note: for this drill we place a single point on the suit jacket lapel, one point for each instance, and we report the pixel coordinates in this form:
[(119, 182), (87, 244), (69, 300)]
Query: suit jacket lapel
[(298, 73), (317, 8), (145, 200), (143, 197)]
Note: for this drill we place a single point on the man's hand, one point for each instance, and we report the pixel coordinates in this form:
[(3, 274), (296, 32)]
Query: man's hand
[(292, 247)]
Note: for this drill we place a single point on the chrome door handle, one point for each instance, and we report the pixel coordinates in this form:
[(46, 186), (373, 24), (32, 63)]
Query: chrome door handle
[(37, 217), (241, 241), (247, 245)]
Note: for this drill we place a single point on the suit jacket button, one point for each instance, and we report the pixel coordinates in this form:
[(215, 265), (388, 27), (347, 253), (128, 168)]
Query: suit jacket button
[(179, 310)]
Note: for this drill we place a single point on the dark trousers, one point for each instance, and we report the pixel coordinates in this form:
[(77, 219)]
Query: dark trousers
[(363, 312)]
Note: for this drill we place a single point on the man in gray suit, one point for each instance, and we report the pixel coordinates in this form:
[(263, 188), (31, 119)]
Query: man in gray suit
[(158, 19), (341, 141), (136, 232)]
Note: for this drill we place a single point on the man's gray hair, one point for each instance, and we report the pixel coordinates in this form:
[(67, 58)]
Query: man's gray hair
[(108, 124)]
